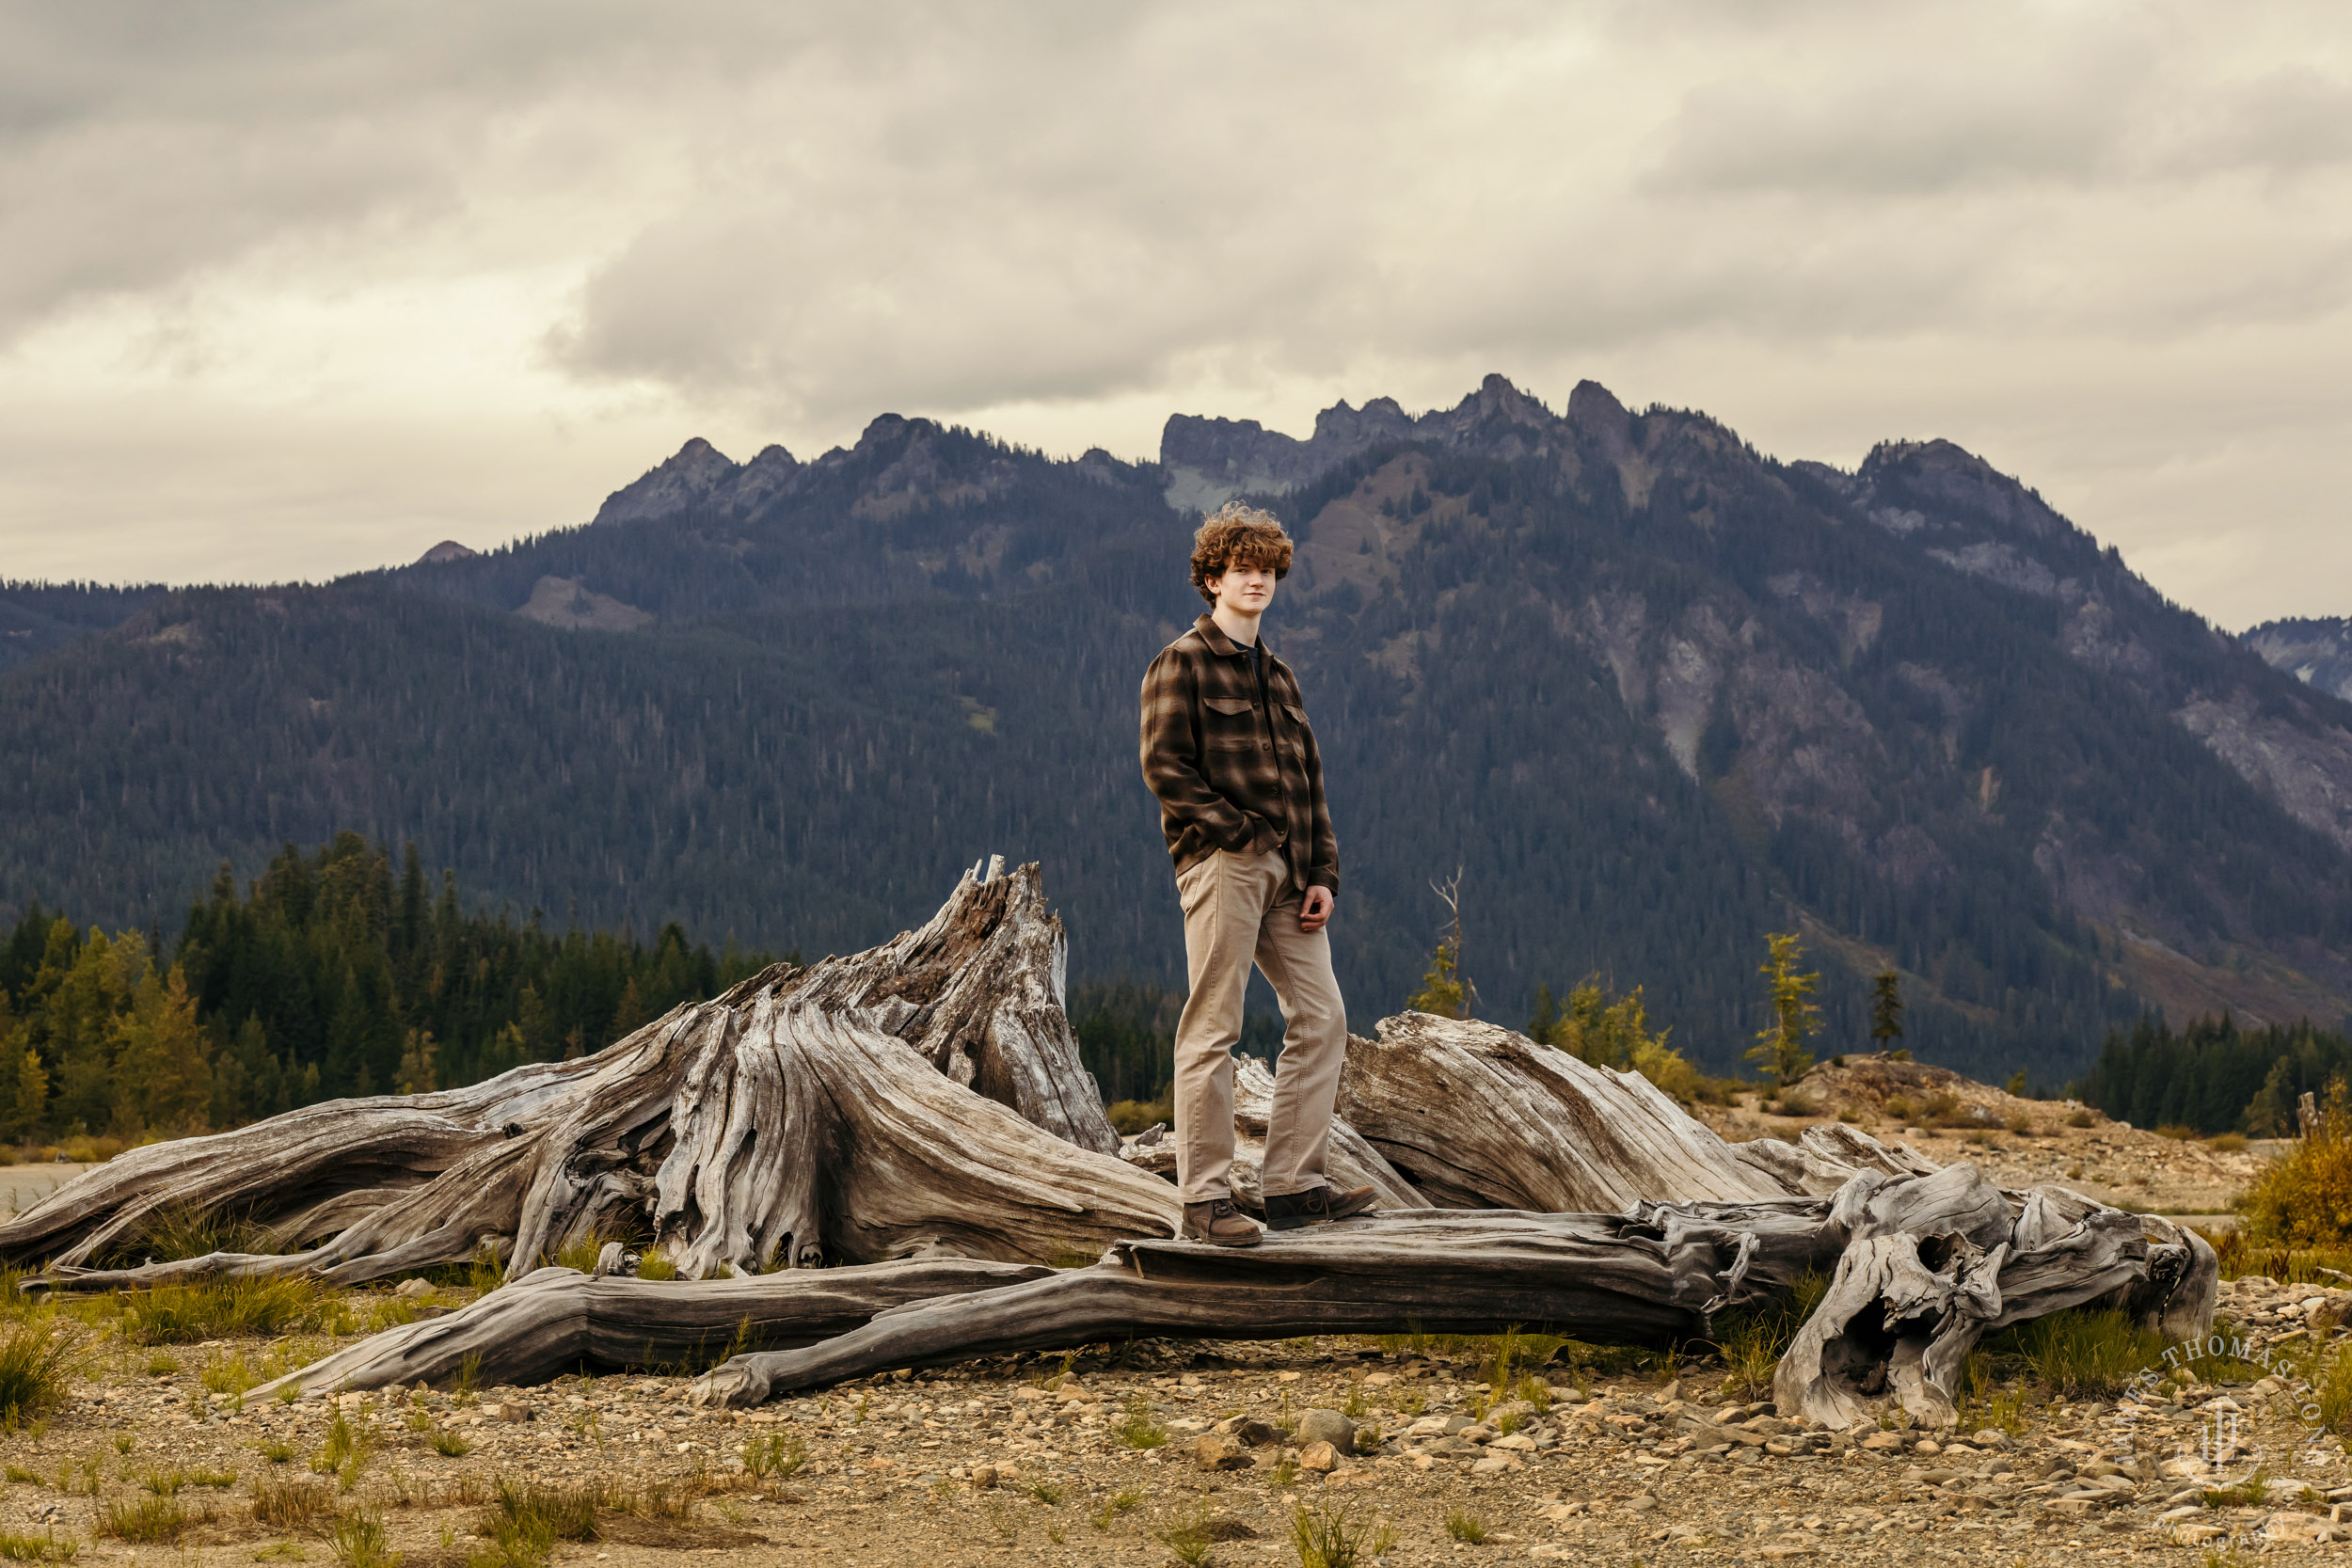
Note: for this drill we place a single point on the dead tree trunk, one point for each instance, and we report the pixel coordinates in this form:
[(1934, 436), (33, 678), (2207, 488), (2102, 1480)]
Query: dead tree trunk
[(924, 1095), (1642, 1277), (924, 1100), (1478, 1116), (556, 1321)]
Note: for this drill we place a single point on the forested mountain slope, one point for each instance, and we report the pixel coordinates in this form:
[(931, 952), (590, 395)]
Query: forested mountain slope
[(1655, 694)]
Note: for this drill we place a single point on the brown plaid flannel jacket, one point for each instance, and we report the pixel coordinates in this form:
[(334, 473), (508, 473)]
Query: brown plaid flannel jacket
[(1229, 773)]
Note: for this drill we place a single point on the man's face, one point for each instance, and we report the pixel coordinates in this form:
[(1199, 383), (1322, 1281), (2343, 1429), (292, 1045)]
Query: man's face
[(1243, 588)]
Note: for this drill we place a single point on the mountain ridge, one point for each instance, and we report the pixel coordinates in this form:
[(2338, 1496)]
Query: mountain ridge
[(1657, 691)]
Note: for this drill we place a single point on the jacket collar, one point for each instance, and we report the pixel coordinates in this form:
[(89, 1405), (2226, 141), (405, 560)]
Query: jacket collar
[(1214, 635)]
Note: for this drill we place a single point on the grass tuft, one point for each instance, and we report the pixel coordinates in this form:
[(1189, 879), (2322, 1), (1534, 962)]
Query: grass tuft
[(1466, 1528), (2079, 1353), (778, 1455), (38, 1360), (1755, 1337), (1187, 1536), (1139, 1428), (1332, 1537), (2250, 1493), (38, 1548), (1123, 1501), (145, 1519), (179, 1231), (292, 1505), (221, 1309), (360, 1541)]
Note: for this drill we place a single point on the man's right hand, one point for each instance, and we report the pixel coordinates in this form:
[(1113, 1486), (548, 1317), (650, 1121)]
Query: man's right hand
[(1315, 913)]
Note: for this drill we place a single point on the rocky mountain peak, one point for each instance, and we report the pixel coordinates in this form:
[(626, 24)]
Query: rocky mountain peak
[(2316, 652), (699, 477), (1594, 413), (446, 551), (1209, 461), (1951, 474), (685, 480)]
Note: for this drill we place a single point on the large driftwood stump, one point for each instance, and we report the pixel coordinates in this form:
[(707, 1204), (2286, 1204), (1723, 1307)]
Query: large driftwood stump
[(925, 1095), (923, 1101)]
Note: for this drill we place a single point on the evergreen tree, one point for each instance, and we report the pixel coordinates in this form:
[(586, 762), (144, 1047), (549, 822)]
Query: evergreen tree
[(1780, 1046), (1887, 1008)]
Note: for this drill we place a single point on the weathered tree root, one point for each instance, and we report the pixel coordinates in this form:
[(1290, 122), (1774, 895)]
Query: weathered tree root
[(924, 1100), (1930, 1268), (1883, 1335), (925, 1095), (1480, 1117), (557, 1319), (1634, 1278)]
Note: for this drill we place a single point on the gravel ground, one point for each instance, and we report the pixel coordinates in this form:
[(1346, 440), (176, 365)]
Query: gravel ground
[(1033, 1461)]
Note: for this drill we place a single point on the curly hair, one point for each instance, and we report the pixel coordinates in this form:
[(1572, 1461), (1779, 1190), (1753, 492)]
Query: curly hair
[(1238, 536)]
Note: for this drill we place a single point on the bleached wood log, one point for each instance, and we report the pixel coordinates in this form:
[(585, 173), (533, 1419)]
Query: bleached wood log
[(556, 1320), (1349, 1161), (734, 1128), (1644, 1277), (1478, 1116), (1930, 1265)]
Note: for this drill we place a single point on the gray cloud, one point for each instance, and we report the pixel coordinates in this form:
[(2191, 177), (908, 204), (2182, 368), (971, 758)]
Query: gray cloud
[(578, 232)]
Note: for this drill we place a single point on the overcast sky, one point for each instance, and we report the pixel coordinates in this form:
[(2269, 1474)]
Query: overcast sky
[(288, 288)]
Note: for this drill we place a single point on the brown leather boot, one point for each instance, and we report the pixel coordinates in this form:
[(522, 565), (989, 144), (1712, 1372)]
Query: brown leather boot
[(1219, 1224), (1316, 1206)]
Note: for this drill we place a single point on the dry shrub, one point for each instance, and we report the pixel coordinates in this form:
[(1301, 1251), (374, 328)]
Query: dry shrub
[(292, 1505), (2304, 1198), (1138, 1116)]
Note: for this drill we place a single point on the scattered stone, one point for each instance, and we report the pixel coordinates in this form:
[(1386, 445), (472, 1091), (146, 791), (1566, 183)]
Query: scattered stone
[(1883, 1442), (983, 1477), (1320, 1457), (413, 1290), (1219, 1450), (1328, 1426), (1254, 1433)]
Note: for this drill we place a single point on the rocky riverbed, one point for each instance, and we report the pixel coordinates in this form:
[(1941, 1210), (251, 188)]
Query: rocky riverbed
[(1166, 1450)]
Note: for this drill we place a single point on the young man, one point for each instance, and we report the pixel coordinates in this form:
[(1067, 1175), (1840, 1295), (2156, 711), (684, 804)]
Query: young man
[(1227, 751)]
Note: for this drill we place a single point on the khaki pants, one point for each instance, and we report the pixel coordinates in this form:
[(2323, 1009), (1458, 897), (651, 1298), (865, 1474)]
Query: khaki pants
[(1240, 909)]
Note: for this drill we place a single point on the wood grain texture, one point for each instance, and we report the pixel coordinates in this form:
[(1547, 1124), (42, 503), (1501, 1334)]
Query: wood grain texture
[(925, 1095), (555, 1321)]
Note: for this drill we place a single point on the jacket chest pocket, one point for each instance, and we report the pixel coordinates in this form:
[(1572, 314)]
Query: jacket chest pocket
[(1230, 725), (1293, 734)]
